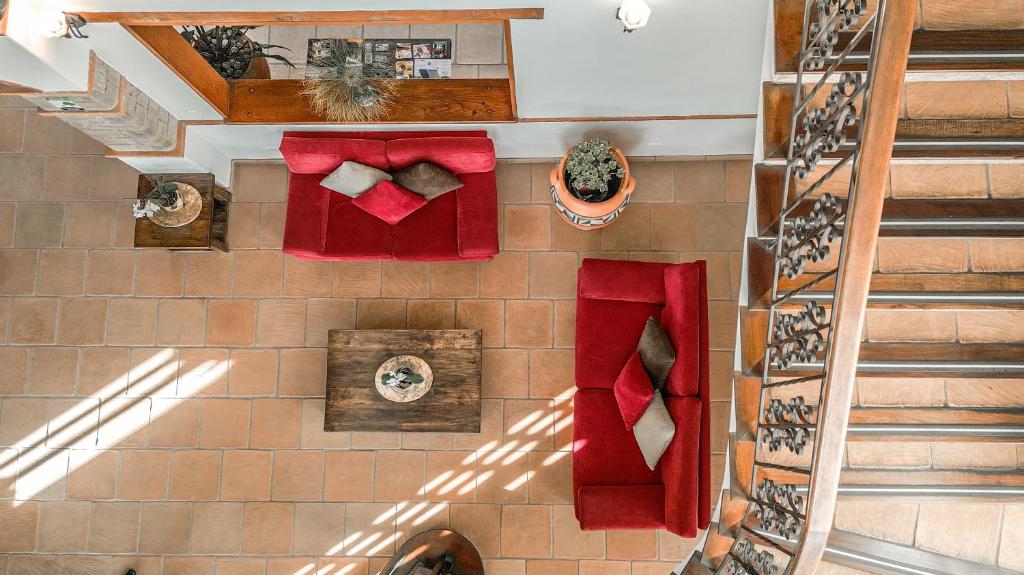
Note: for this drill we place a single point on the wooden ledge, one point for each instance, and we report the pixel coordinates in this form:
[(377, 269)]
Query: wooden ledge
[(337, 17), (417, 101)]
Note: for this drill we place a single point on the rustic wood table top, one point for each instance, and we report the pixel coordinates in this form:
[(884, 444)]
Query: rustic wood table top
[(452, 404)]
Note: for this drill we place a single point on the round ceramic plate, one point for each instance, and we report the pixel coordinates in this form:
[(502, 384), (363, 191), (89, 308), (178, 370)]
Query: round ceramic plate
[(192, 204), (414, 391)]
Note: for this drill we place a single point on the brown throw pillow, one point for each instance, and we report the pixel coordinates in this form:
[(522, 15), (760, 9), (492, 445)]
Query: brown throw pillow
[(656, 352), (427, 180)]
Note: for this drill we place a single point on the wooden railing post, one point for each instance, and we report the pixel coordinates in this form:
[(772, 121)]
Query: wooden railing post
[(860, 237)]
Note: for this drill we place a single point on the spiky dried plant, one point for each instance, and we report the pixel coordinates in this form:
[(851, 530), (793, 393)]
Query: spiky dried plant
[(346, 95)]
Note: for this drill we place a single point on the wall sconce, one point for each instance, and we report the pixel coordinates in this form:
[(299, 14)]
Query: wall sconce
[(633, 14), (57, 24)]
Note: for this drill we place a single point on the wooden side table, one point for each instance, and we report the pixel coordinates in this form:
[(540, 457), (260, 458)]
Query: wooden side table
[(209, 231)]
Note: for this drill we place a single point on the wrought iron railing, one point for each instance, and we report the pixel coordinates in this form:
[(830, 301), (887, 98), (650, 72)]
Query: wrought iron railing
[(811, 352)]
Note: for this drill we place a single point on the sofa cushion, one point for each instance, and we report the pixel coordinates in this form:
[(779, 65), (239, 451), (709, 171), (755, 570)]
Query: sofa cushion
[(603, 507), (607, 332), (389, 202), (428, 234), (604, 451), (456, 154), (656, 353), (322, 155), (427, 180), (681, 321), (353, 234), (633, 391), (352, 178)]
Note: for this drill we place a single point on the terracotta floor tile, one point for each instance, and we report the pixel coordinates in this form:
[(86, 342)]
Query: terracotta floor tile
[(25, 177), (52, 371), (240, 565), (46, 135), (313, 434), (565, 323), (306, 278), (502, 477), (83, 321), (15, 375), (431, 314), (189, 565), (454, 279), (566, 237), (550, 477), (491, 428), (737, 180), (260, 181), (195, 475), (700, 181), (114, 527), (303, 372), (20, 524), (243, 225), (526, 531), (426, 440), (177, 424), (246, 475), (507, 275), (552, 372), (551, 567), (357, 279), (480, 523), (39, 225), (225, 423), (381, 314), (231, 322), (258, 273), (529, 424), (124, 226), (651, 567), (319, 528), (160, 274), (13, 137), (675, 227), (216, 527), (63, 526), (405, 279), (450, 476), (632, 545), (528, 323), (132, 321), (348, 476), (485, 315), (20, 271), (290, 565), (272, 226), (327, 314), (143, 475), (33, 320), (376, 440), (370, 529), (93, 475), (553, 275), (514, 182), (572, 542), (630, 231), (7, 211), (165, 527), (722, 225), (298, 475), (24, 421), (655, 181), (267, 527), (208, 274), (181, 322), (505, 373), (111, 272), (527, 227), (253, 372), (275, 423), (399, 476), (61, 272), (89, 225)]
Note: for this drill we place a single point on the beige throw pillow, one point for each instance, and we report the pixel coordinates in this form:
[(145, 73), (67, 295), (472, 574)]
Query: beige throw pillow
[(654, 431), (353, 178)]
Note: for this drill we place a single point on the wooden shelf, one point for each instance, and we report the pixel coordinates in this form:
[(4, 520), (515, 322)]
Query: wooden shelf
[(417, 101)]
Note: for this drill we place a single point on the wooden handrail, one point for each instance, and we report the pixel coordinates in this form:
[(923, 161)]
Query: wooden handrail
[(889, 53)]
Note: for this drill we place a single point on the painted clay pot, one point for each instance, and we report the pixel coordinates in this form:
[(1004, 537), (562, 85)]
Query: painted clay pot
[(590, 215)]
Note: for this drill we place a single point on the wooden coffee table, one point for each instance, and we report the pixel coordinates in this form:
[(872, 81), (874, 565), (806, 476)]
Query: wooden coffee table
[(451, 404)]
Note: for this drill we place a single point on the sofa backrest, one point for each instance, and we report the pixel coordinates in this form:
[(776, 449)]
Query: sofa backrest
[(463, 151), (323, 155), (456, 154)]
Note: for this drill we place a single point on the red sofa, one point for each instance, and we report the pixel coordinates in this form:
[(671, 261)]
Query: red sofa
[(325, 225), (612, 486)]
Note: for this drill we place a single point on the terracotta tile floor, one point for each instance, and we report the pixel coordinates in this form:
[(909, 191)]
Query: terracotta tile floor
[(164, 410)]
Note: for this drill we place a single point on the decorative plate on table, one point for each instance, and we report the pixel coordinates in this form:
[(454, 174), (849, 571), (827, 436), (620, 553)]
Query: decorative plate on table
[(192, 205)]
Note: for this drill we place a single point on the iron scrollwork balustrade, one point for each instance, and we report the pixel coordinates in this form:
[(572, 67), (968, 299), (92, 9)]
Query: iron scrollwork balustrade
[(824, 129), (787, 424), (833, 17), (808, 238), (798, 337), (747, 560), (778, 508)]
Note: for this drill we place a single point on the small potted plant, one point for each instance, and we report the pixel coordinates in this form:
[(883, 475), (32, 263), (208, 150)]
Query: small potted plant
[(164, 196), (591, 184), (231, 52)]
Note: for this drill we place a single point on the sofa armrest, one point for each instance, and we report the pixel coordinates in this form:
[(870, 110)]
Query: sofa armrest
[(601, 507), (642, 282), (305, 225), (477, 215), (683, 469)]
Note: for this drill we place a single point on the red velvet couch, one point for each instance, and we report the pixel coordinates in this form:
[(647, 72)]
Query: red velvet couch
[(325, 225), (613, 487)]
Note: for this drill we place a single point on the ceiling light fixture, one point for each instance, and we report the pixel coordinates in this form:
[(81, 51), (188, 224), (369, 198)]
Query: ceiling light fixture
[(633, 14), (57, 24)]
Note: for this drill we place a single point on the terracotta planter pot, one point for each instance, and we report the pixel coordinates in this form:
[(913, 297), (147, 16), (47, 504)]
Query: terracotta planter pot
[(590, 215)]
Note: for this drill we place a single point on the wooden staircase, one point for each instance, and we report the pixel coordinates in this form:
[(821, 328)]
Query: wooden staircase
[(931, 467)]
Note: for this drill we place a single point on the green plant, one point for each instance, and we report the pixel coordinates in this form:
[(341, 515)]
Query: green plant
[(590, 168), (401, 378), (228, 49), (164, 193), (345, 93)]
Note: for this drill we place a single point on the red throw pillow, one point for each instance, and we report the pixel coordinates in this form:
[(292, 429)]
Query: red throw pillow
[(389, 202), (633, 391)]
